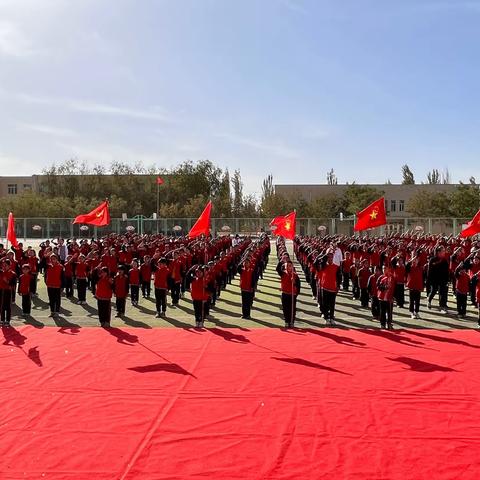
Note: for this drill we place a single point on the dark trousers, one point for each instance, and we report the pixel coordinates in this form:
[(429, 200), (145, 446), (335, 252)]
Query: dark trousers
[(146, 288), (33, 284), (120, 303), (199, 307), (414, 296), (104, 311), (462, 303), (68, 287), (313, 284), (175, 293), (400, 294), (289, 306), (442, 290), (329, 304), (386, 312), (54, 299), (345, 280), (134, 289), (375, 308), (82, 289), (320, 300), (364, 297), (6, 305), (247, 300), (26, 304), (161, 300)]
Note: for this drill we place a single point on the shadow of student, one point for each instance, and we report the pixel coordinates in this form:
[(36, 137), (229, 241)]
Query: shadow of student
[(29, 320), (162, 367), (65, 324), (122, 337), (134, 323), (308, 363), (351, 342), (38, 303), (13, 337), (229, 336), (34, 355), (420, 365), (454, 341)]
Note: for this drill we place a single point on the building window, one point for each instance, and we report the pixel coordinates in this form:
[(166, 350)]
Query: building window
[(401, 205), (393, 205), (12, 188), (27, 186)]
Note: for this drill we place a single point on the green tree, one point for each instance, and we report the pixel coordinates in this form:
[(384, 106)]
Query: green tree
[(465, 200), (407, 176), (429, 204), (357, 197), (433, 177), (237, 185)]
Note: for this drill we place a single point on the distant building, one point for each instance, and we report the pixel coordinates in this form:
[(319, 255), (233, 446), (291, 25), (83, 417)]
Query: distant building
[(396, 196)]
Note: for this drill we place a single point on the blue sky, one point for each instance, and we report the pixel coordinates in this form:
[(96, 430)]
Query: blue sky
[(289, 87)]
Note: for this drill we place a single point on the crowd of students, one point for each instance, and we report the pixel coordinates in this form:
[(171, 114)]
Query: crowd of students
[(121, 266), (379, 270)]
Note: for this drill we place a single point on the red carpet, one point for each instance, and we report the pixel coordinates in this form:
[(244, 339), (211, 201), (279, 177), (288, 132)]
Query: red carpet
[(233, 404)]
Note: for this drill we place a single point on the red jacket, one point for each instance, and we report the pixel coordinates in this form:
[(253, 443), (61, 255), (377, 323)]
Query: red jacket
[(329, 277), (120, 286), (386, 288), (146, 272), (53, 276), (134, 276), (246, 279), (198, 289), (24, 284), (104, 289), (363, 276), (160, 277), (415, 278)]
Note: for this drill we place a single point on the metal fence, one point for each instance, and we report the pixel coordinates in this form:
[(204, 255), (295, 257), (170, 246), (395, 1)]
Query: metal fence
[(42, 228)]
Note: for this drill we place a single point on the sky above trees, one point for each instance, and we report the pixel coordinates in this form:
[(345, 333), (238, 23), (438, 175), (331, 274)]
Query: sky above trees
[(289, 87)]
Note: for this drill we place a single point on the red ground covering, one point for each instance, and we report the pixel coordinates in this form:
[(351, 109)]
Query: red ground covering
[(231, 404)]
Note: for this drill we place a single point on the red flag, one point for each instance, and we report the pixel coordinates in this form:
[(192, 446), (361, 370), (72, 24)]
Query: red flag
[(160, 181), (372, 216), (202, 225), (473, 226), (11, 237), (99, 216), (286, 226)]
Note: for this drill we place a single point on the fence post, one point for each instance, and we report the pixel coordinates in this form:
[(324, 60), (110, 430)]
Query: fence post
[(429, 225), (24, 230), (48, 228), (237, 225), (213, 228), (455, 226), (334, 226)]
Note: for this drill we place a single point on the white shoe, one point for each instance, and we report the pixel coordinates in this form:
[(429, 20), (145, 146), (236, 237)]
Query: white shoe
[(413, 316), (444, 311)]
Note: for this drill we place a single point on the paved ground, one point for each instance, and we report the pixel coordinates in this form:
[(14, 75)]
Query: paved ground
[(266, 311)]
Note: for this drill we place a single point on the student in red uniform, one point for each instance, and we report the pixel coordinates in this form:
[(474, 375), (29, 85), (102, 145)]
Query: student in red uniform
[(161, 277), (104, 296), (7, 284), (399, 273), (462, 287), (33, 263), (198, 291), (477, 295), (81, 272), (386, 290), (24, 283), (120, 288), (134, 281), (346, 265), (354, 277), (290, 287), (146, 276), (363, 276), (176, 279), (247, 287), (415, 284), (331, 279), (15, 269), (53, 280), (373, 292)]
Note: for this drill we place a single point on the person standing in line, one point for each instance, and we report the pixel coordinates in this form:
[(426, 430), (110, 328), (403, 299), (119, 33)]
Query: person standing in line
[(415, 285), (386, 291), (290, 287), (54, 282), (438, 272), (104, 297), (24, 284), (246, 287), (161, 278)]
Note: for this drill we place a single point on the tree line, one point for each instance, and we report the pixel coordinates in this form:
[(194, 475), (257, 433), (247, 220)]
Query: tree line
[(74, 187)]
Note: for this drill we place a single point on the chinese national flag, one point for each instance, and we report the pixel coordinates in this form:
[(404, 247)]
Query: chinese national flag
[(11, 237), (285, 225), (160, 181), (202, 225), (99, 216), (372, 216), (473, 226)]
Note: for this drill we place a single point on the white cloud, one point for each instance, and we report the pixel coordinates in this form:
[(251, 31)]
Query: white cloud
[(86, 106), (47, 129), (13, 42), (271, 148)]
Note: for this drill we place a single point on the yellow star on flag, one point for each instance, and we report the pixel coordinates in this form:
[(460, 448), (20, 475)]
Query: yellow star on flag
[(99, 214), (374, 214), (288, 225)]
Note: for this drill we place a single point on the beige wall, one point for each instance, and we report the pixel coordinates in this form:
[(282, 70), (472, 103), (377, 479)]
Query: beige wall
[(22, 184), (397, 193)]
